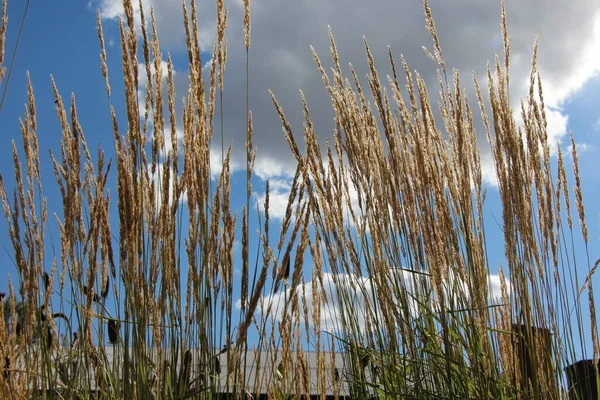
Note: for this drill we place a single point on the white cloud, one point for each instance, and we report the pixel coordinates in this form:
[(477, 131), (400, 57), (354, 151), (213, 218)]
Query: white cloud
[(216, 164), (584, 65), (267, 168), (581, 148), (585, 147), (495, 288), (112, 8), (347, 291), (143, 76), (279, 193), (169, 19), (488, 170), (558, 88), (280, 184), (143, 81), (557, 127)]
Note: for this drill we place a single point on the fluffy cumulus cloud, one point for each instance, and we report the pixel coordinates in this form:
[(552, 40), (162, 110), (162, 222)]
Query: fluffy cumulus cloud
[(279, 192), (280, 185), (143, 84), (143, 77), (169, 18), (347, 291), (469, 31), (268, 168)]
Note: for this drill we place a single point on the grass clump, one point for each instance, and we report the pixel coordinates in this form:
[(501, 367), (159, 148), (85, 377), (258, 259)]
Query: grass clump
[(390, 214)]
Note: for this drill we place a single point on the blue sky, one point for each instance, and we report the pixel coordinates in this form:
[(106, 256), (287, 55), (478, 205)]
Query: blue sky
[(60, 38)]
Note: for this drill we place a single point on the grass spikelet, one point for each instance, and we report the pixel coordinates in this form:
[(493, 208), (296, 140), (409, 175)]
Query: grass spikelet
[(577, 189)]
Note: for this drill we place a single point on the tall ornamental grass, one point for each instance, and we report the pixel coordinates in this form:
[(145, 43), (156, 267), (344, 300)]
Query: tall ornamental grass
[(389, 215)]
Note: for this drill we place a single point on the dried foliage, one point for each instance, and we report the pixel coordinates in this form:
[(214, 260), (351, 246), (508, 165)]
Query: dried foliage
[(391, 212)]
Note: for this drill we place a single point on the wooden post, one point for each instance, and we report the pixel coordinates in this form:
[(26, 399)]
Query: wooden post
[(581, 378), (533, 357)]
